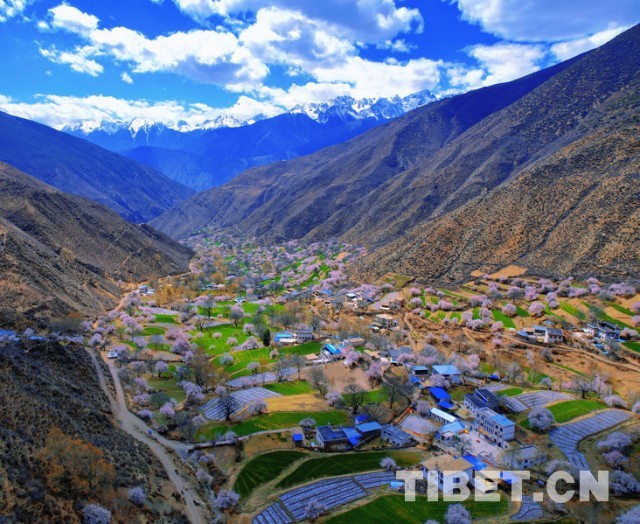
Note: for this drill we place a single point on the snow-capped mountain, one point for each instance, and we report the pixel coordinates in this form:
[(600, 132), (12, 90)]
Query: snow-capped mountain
[(210, 153), (346, 107)]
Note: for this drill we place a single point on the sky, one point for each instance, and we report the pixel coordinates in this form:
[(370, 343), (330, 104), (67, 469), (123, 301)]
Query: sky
[(187, 62)]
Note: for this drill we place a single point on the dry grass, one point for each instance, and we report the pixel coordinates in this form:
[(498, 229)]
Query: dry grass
[(304, 402)]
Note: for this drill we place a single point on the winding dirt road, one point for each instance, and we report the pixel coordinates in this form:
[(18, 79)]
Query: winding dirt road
[(196, 511)]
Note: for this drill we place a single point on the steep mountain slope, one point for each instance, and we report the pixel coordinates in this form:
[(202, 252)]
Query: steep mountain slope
[(49, 385), (377, 187), (206, 157), (61, 253), (70, 164)]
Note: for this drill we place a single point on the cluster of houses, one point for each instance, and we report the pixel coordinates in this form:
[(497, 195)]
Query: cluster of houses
[(603, 331)]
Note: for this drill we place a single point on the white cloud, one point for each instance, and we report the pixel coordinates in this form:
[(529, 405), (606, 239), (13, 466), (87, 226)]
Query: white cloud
[(204, 55), (548, 20), (497, 63), (72, 19), (126, 78), (79, 60), (369, 21), (11, 8), (566, 50)]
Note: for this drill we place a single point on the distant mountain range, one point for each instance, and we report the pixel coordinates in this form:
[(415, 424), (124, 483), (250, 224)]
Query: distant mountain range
[(542, 171), (218, 150), (135, 191), (60, 253)]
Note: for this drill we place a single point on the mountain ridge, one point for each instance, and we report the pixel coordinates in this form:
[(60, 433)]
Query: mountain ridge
[(135, 191), (61, 253), (425, 165)]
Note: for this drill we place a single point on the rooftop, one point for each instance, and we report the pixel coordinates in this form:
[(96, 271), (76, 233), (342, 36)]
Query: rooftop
[(446, 369), (447, 464), (328, 433)]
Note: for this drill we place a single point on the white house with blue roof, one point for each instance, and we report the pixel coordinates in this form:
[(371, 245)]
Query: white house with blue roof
[(494, 427)]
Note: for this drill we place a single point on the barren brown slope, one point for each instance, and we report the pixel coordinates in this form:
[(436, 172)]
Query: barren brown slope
[(60, 253), (575, 212), (290, 199), (375, 188)]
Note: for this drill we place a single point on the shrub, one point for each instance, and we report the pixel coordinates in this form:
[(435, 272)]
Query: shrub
[(457, 514), (226, 500), (388, 463), (95, 514), (137, 495)]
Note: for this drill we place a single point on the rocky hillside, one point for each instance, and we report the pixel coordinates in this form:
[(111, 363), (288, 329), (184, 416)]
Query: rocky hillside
[(48, 385), (417, 171), (134, 191), (61, 253)]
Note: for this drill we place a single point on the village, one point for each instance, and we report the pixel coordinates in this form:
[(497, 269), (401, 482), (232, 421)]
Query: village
[(293, 392)]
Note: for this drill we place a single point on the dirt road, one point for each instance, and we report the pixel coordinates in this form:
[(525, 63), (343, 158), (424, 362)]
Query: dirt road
[(196, 512)]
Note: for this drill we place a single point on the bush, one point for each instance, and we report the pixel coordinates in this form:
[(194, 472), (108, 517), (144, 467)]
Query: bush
[(457, 514), (137, 495), (95, 514)]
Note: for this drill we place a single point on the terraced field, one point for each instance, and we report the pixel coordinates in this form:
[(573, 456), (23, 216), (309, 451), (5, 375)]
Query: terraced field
[(264, 468)]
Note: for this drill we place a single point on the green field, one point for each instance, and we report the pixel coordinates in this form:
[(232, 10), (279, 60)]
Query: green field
[(603, 316), (151, 330), (345, 463), (622, 309), (499, 316), (573, 311), (393, 508), (169, 386), (511, 392), (290, 388), (633, 346), (570, 409), (166, 319), (522, 312), (272, 421), (264, 468)]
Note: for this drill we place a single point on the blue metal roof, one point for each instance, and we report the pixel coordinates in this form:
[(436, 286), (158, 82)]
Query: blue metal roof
[(445, 404), (446, 369), (297, 437), (353, 435), (368, 426), (439, 393), (331, 349), (502, 420), (360, 419), (477, 464)]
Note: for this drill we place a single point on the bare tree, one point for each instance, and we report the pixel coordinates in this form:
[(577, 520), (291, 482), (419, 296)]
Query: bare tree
[(281, 367), (319, 380), (355, 396), (298, 361)]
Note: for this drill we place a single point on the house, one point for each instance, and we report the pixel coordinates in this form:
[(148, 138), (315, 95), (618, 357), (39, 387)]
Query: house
[(112, 354), (330, 439), (480, 398), (494, 427), (386, 321), (369, 429), (420, 371), (297, 439), (524, 457), (284, 338), (450, 471), (356, 342), (487, 479), (442, 416), (554, 336), (448, 371), (420, 429), (303, 334), (396, 436), (332, 352), (450, 432), (603, 330)]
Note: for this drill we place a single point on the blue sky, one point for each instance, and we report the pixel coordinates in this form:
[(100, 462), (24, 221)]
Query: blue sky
[(186, 62)]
